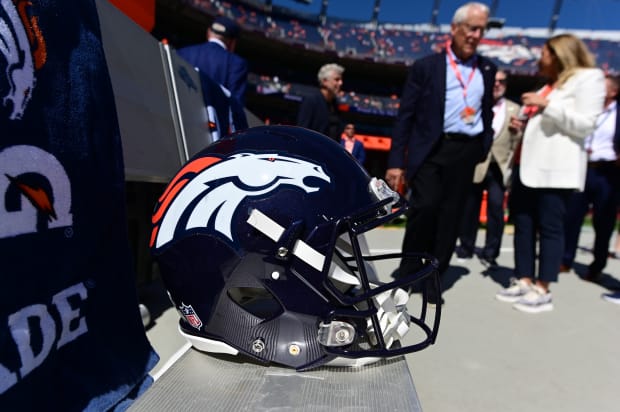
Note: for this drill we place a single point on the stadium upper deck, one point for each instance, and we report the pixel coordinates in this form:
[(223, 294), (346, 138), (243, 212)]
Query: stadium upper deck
[(514, 49)]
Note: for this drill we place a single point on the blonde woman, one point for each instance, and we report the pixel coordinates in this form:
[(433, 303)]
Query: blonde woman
[(550, 164)]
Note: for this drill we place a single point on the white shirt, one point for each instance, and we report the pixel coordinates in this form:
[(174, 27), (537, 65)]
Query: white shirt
[(455, 102), (600, 144), (218, 41), (499, 116)]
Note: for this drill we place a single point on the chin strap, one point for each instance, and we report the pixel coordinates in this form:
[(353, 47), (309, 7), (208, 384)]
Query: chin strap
[(393, 317), (274, 231)]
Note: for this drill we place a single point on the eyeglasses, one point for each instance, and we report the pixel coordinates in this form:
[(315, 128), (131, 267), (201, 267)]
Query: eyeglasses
[(501, 81), (349, 127), (473, 29)]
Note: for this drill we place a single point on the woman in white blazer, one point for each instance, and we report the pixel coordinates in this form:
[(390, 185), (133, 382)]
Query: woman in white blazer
[(550, 164)]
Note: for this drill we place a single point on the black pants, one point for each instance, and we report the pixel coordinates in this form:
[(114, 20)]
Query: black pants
[(438, 192), (494, 184), (600, 192)]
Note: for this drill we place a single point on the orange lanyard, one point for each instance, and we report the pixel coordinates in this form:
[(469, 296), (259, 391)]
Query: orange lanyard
[(457, 72)]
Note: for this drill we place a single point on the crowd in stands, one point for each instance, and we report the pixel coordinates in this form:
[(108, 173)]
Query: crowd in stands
[(512, 49), (350, 101)]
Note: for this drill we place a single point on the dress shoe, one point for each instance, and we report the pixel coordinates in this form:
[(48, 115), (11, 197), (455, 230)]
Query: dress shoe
[(463, 253), (489, 263)]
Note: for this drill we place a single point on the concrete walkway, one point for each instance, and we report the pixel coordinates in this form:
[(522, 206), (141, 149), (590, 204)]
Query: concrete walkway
[(490, 357)]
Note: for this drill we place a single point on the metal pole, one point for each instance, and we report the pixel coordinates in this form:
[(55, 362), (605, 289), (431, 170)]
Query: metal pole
[(493, 8), (375, 13), (323, 13), (555, 16), (435, 12)]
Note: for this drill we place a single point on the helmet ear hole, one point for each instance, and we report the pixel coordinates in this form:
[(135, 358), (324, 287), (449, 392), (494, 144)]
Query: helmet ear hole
[(257, 301)]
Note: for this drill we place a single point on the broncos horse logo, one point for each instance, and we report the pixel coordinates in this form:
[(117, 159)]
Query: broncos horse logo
[(23, 49), (240, 176)]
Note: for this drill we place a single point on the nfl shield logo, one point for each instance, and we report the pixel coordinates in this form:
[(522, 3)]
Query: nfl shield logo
[(190, 316)]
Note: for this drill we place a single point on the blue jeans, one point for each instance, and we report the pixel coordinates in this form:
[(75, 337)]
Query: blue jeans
[(538, 213)]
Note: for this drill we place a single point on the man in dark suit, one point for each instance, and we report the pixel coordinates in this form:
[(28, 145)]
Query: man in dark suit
[(318, 110), (216, 57), (443, 129), (601, 188)]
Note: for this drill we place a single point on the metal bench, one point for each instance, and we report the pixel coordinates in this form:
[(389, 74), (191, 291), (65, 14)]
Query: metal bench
[(202, 382)]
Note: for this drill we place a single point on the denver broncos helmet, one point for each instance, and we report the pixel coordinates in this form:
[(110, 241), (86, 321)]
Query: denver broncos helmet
[(261, 247)]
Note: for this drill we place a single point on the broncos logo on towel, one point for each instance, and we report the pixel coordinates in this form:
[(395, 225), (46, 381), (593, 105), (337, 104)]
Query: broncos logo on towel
[(213, 188), (23, 47)]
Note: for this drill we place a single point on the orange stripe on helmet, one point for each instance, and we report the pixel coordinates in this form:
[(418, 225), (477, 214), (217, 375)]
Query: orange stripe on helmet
[(195, 166), (153, 236), (178, 182), (171, 193)]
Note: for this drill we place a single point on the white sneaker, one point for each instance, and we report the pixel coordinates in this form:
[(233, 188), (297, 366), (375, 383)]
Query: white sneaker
[(535, 301), (517, 289), (612, 297)]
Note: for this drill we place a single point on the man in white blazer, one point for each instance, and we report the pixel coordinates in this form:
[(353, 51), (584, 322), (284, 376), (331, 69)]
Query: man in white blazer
[(491, 175)]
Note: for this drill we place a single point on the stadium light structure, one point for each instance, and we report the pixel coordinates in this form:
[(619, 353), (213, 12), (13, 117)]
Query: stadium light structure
[(555, 15), (493, 8), (323, 12), (268, 3), (435, 12), (375, 13), (495, 23)]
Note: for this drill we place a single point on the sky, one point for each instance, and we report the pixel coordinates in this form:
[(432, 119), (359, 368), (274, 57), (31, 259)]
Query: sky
[(574, 14)]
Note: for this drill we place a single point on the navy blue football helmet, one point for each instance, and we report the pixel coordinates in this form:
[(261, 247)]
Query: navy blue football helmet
[(260, 243)]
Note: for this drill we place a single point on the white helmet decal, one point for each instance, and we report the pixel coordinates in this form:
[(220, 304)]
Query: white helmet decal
[(252, 175)]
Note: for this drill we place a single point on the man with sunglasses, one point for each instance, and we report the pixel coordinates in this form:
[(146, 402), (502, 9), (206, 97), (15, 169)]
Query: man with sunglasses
[(491, 175)]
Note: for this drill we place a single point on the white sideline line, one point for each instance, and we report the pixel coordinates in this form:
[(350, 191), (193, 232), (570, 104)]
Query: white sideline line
[(388, 251), (383, 251), (175, 357)]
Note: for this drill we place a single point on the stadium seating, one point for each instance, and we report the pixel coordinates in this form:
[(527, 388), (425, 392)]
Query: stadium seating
[(516, 53), (512, 49)]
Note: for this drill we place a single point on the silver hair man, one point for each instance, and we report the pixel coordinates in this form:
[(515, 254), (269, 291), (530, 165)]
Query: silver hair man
[(327, 69), (461, 13)]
